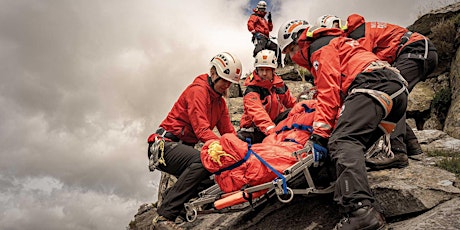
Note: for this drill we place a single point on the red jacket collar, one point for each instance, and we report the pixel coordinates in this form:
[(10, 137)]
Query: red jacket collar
[(255, 80), (202, 80)]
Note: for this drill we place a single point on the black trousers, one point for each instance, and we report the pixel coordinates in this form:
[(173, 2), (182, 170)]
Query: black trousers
[(356, 130), (414, 68), (184, 162)]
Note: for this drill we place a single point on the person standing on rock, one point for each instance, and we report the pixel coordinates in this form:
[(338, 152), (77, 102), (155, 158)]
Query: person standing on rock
[(199, 109), (260, 29), (359, 98), (266, 99), (413, 54)]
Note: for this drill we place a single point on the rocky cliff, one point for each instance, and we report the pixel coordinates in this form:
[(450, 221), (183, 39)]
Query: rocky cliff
[(420, 196)]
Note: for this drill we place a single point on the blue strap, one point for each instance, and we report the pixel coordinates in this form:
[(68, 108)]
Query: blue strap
[(307, 128), (307, 109), (237, 164), (273, 170), (246, 157), (290, 140)]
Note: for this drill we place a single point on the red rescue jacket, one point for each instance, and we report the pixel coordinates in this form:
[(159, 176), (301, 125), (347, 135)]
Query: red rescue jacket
[(334, 62), (381, 38), (197, 111), (264, 101), (258, 23)]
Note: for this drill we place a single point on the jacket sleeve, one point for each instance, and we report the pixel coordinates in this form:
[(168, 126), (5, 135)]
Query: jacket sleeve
[(224, 125), (326, 69), (197, 102), (254, 108), (270, 26), (252, 23)]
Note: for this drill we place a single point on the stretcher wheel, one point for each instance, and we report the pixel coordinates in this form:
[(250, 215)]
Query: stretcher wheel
[(289, 196), (191, 213)]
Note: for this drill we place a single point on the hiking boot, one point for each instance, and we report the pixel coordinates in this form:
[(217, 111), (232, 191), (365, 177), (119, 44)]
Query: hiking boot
[(413, 147), (162, 223), (381, 161), (365, 218)]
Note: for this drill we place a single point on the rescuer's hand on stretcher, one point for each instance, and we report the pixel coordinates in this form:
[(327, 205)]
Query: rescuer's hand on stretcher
[(318, 147)]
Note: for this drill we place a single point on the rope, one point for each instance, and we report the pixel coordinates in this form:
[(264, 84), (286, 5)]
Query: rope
[(386, 146), (237, 164), (215, 151), (161, 148)]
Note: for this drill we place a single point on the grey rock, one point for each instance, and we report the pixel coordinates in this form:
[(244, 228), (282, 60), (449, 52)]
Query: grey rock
[(443, 216), (420, 98), (452, 124)]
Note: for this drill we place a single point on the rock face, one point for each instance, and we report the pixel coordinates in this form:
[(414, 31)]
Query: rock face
[(452, 125), (413, 197), (420, 196)]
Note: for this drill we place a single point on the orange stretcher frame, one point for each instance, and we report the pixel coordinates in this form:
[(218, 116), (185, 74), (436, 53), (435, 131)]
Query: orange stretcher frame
[(213, 200)]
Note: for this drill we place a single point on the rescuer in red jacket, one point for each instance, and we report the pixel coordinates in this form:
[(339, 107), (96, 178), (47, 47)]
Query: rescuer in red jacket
[(260, 29), (371, 97), (265, 99), (192, 118), (411, 53)]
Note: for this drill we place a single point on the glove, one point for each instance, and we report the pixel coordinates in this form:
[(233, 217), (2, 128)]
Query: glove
[(269, 17), (241, 137), (318, 147)]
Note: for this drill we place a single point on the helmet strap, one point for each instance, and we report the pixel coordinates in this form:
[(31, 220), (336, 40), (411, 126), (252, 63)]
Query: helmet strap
[(212, 83)]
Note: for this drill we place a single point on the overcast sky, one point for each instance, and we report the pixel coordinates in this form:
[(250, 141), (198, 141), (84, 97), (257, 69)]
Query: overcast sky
[(83, 84)]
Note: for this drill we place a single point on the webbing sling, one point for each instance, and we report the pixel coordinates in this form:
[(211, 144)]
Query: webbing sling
[(273, 170), (237, 164), (246, 157), (307, 128)]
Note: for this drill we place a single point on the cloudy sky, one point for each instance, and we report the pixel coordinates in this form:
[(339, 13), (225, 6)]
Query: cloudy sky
[(83, 84)]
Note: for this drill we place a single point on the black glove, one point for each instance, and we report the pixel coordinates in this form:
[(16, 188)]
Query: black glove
[(269, 16), (319, 140), (318, 147)]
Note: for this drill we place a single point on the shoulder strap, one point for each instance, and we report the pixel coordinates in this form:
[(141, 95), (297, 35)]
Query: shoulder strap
[(359, 32), (261, 91), (318, 44)]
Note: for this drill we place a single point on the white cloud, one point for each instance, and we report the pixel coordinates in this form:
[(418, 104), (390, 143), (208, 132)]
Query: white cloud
[(85, 82), (34, 205)]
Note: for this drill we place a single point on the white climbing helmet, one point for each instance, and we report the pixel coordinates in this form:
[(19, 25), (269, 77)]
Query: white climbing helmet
[(266, 58), (328, 20), (288, 32), (228, 66), (261, 5)]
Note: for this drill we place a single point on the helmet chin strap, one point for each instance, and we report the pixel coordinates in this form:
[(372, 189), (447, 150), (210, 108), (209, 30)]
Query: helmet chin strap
[(212, 83)]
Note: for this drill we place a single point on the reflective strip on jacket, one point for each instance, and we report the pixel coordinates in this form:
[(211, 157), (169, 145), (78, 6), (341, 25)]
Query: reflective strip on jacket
[(381, 38), (264, 101), (258, 23), (197, 111)]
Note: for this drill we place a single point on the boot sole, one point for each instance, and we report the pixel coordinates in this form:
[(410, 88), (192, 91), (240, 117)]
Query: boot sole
[(388, 166)]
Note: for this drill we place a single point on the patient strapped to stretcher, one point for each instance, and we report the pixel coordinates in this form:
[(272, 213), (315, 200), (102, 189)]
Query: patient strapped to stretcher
[(234, 161)]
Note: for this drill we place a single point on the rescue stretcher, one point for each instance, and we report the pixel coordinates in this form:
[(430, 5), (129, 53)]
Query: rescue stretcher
[(213, 200)]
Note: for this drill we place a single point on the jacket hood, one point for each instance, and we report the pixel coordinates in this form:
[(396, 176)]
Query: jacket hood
[(354, 21), (203, 80)]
